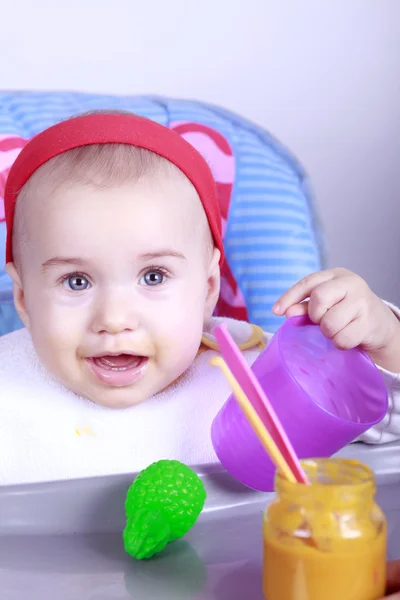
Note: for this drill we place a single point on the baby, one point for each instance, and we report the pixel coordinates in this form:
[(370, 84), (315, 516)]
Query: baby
[(114, 247)]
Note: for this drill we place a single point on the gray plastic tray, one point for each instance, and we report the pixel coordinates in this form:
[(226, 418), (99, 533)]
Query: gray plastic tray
[(63, 540)]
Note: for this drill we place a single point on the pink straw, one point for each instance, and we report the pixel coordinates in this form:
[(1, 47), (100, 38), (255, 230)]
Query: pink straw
[(255, 394)]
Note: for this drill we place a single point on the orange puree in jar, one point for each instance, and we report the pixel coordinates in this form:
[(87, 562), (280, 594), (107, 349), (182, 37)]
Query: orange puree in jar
[(326, 540)]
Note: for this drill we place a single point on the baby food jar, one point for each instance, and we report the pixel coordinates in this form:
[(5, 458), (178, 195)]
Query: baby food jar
[(326, 540)]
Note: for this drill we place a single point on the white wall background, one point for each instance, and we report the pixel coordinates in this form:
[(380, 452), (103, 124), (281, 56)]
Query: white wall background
[(322, 75)]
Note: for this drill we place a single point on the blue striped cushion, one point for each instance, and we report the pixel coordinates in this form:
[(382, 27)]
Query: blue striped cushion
[(272, 236)]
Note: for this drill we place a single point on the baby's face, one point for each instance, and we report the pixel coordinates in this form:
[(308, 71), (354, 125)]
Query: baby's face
[(116, 284)]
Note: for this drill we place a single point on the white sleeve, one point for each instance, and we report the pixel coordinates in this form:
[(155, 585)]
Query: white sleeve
[(388, 430)]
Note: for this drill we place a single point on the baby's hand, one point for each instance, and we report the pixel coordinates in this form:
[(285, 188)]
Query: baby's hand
[(348, 312), (393, 580)]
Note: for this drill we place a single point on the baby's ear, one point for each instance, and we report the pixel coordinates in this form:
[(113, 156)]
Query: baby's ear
[(214, 284), (19, 296)]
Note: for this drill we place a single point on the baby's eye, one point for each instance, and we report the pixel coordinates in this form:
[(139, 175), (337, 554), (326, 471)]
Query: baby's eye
[(152, 278), (76, 283)]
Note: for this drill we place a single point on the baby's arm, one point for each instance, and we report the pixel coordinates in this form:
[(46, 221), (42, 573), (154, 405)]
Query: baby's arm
[(388, 430), (350, 314)]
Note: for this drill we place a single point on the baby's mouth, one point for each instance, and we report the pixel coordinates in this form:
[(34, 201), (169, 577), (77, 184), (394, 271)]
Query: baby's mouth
[(122, 362), (118, 370)]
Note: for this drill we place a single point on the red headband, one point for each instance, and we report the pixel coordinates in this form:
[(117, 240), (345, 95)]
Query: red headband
[(107, 128)]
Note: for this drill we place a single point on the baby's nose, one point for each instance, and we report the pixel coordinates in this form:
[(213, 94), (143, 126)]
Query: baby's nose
[(114, 314)]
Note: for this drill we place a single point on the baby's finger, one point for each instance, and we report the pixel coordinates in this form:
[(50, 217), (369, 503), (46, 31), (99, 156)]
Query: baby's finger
[(297, 309), (335, 318), (324, 297), (301, 291), (393, 577), (351, 336)]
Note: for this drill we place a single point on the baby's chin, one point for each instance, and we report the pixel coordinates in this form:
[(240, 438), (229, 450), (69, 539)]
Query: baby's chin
[(154, 382), (123, 397), (116, 398), (118, 401), (108, 396)]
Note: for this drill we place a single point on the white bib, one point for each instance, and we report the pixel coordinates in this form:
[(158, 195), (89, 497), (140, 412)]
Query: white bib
[(49, 433)]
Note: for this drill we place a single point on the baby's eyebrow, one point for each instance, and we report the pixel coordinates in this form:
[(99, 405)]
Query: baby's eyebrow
[(165, 252), (58, 261)]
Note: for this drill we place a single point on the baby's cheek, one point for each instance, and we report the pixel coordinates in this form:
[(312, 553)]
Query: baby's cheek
[(58, 329), (185, 348), (178, 339)]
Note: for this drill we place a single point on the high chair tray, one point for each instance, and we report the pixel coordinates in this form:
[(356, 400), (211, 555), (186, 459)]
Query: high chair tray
[(63, 540)]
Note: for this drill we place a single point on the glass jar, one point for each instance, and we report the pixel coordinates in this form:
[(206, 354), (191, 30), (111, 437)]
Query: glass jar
[(326, 540)]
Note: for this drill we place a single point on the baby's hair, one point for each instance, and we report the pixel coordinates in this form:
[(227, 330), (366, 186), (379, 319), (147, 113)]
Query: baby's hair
[(102, 165), (99, 165)]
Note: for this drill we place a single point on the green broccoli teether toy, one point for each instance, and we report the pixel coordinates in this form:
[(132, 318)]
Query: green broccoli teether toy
[(161, 505)]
